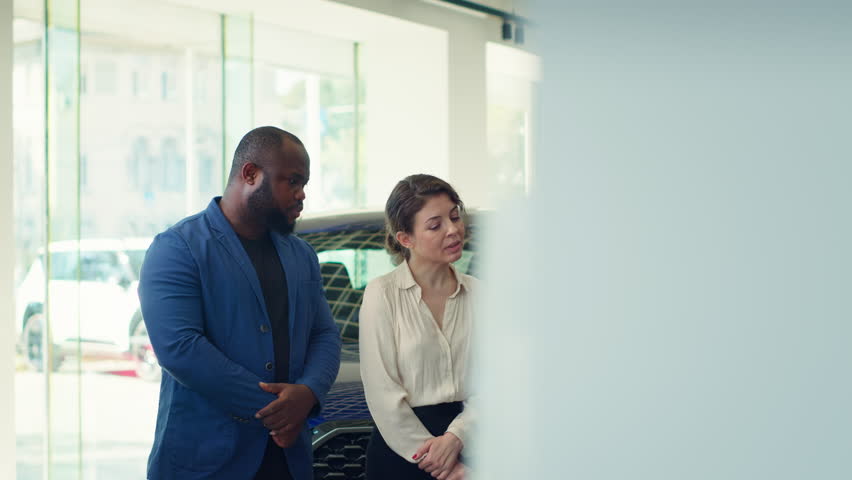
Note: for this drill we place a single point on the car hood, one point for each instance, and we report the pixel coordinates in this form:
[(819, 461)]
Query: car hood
[(345, 400)]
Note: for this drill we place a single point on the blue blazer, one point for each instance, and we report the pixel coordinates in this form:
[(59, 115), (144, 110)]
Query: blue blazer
[(206, 316)]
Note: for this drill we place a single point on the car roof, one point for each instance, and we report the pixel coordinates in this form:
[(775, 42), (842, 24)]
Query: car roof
[(345, 220), (341, 220)]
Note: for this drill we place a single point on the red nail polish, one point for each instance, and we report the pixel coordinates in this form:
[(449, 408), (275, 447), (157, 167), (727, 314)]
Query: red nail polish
[(414, 457)]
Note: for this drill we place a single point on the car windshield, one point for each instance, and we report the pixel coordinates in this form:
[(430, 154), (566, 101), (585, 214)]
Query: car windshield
[(349, 259)]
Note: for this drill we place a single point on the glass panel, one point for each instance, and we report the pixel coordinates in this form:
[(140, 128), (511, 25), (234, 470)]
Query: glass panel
[(151, 154), (307, 86), (239, 97), (512, 79), (30, 193), (338, 171), (62, 319), (133, 140), (508, 135)]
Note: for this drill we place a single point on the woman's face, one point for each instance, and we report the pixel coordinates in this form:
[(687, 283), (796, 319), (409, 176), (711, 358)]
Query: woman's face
[(438, 232)]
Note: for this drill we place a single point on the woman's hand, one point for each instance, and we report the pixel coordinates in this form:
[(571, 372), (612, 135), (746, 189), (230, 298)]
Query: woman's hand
[(441, 455)]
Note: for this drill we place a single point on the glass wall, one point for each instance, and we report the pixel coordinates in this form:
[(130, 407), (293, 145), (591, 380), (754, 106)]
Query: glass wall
[(512, 81), (151, 118), (30, 235), (317, 99), (120, 130), (509, 142)]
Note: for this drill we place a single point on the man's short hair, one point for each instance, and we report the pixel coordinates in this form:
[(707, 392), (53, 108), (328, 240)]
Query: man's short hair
[(256, 146)]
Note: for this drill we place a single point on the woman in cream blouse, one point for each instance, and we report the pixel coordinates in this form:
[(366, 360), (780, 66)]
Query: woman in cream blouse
[(415, 334)]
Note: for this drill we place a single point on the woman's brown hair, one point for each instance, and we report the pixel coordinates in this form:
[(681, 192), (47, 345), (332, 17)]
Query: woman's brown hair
[(406, 199)]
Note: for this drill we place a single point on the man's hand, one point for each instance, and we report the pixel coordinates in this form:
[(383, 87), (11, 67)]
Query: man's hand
[(442, 455), (290, 409), (287, 436)]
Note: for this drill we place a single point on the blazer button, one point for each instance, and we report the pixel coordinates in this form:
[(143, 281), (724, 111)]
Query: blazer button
[(264, 328), (269, 366)]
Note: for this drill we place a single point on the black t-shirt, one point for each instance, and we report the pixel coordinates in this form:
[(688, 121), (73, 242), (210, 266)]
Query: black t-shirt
[(273, 283)]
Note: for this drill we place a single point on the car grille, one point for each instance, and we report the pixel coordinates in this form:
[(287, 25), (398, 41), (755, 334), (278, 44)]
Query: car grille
[(340, 450)]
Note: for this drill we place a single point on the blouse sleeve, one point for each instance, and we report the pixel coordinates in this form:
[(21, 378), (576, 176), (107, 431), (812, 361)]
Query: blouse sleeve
[(462, 425), (386, 398)]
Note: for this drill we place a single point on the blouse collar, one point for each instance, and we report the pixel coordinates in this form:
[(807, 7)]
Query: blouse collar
[(405, 280)]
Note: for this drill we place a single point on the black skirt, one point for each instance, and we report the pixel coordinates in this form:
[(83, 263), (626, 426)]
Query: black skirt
[(384, 464)]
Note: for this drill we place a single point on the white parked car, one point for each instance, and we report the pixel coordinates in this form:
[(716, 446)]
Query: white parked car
[(91, 298)]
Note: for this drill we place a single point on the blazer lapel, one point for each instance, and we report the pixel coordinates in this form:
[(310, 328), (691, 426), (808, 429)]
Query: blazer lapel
[(284, 246), (228, 238), (287, 255)]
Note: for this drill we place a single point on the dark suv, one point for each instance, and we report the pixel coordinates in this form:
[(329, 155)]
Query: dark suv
[(351, 253)]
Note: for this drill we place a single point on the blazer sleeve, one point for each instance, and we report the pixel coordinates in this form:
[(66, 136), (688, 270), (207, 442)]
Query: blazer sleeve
[(171, 300), (322, 361), (386, 397)]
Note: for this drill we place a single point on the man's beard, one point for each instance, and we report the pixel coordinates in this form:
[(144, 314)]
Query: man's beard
[(262, 206)]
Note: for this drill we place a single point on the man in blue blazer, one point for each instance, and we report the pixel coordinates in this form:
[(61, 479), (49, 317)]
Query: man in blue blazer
[(235, 309)]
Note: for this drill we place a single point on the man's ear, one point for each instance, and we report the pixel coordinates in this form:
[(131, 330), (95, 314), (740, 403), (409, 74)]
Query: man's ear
[(250, 173), (404, 239)]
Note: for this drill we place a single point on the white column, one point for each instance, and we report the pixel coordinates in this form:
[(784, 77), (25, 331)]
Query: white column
[(467, 116), (7, 251), (406, 108)]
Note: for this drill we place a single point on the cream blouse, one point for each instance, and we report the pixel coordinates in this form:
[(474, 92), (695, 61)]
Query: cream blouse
[(407, 361)]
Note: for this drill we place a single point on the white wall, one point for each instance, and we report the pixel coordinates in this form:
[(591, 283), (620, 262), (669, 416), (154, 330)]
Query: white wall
[(406, 110), (7, 252), (466, 94)]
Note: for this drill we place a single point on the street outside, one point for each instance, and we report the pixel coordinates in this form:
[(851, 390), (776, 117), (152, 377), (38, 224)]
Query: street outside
[(114, 428)]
